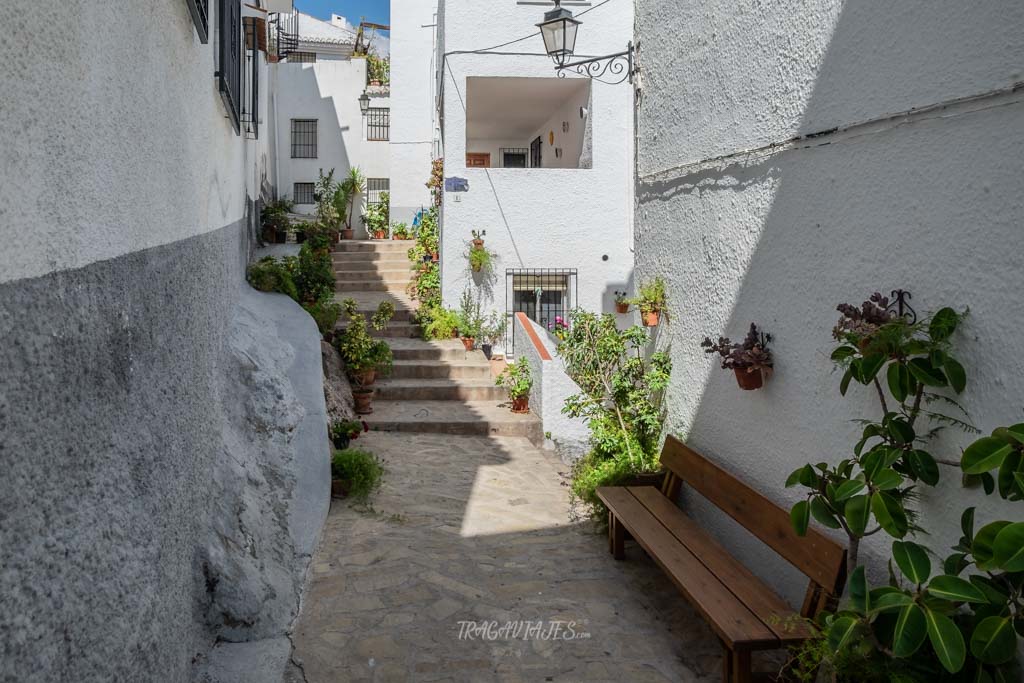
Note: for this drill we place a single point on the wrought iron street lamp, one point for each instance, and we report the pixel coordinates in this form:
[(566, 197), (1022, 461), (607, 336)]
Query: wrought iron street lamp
[(364, 102), (559, 30)]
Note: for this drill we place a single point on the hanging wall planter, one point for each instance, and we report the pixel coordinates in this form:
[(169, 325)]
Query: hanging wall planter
[(478, 238), (651, 302), (751, 360), (652, 318)]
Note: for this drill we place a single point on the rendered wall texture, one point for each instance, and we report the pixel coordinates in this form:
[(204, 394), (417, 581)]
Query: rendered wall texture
[(539, 218), (929, 202)]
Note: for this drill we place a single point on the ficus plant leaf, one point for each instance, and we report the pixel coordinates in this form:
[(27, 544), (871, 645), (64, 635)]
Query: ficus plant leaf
[(983, 547), (823, 515), (912, 560), (909, 631), (943, 324), (857, 513), (985, 454), (848, 489), (859, 590), (925, 373), (841, 632), (1008, 548), (890, 514), (994, 641), (800, 516), (899, 380), (955, 589), (956, 374), (946, 640)]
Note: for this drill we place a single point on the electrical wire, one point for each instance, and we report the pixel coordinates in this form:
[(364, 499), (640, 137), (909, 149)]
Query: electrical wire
[(532, 35)]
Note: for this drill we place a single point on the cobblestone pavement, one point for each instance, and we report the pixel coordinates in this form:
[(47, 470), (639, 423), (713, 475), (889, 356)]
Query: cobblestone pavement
[(476, 529)]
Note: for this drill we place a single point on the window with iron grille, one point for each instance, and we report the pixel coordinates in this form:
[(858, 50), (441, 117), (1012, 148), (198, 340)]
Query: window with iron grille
[(378, 123), (251, 77), (303, 193), (304, 138), (229, 66), (374, 188), (200, 11), (513, 157), (536, 148), (545, 295), (302, 57)]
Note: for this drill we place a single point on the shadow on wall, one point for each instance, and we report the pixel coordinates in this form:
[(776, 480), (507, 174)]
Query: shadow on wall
[(929, 203)]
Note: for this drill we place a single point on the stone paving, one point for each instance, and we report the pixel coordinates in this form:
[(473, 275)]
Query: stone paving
[(476, 529)]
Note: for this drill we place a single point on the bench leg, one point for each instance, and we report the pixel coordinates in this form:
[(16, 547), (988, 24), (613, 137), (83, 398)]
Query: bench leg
[(616, 538), (741, 667)]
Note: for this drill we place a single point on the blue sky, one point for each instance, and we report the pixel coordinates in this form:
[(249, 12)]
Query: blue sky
[(378, 11)]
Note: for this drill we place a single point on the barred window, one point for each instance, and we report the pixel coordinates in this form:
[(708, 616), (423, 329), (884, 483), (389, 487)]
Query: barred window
[(303, 193), (200, 11), (302, 57), (304, 138), (229, 66), (513, 157), (378, 123), (374, 188)]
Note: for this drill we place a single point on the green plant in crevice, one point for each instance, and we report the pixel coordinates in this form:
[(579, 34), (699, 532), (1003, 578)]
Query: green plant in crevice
[(361, 470), (621, 397)]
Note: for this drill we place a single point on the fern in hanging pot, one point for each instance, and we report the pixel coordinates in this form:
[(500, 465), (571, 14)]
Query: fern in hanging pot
[(479, 259)]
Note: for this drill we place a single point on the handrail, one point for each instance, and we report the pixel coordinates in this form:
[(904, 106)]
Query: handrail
[(527, 324)]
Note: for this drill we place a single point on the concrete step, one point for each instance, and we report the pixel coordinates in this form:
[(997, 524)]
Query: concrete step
[(438, 350), (396, 329), (479, 418), (398, 246), (400, 275), (439, 390), (353, 264), (448, 369), (366, 286)]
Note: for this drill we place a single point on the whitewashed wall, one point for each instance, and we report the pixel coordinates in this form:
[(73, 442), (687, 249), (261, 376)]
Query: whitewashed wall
[(413, 114), (59, 197), (929, 202), (543, 218), (328, 91)]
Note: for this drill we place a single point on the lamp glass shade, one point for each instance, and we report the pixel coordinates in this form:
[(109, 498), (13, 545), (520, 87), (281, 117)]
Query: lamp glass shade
[(559, 32), (364, 103)]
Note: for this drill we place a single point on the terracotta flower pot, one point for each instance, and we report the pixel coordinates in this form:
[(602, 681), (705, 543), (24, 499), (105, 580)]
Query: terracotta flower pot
[(365, 378), (379, 235), (434, 257), (651, 319), (749, 381), (468, 342), (348, 234), (621, 308), (363, 400), (395, 237), (340, 488), (478, 243), (521, 405)]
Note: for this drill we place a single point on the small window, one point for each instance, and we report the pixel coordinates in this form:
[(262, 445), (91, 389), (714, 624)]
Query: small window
[(514, 157), (229, 66), (378, 123), (304, 139), (543, 294), (375, 187), (200, 11), (302, 57), (536, 148), (303, 193)]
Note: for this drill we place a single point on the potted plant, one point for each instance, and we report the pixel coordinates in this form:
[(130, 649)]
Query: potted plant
[(470, 319), (492, 332), (518, 381), (750, 360), (439, 323), (478, 237), (399, 231), (345, 431), (651, 301), (479, 258), (300, 232), (363, 355), (355, 473), (621, 303)]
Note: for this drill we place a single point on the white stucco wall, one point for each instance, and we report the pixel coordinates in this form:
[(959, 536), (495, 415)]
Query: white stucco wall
[(930, 203), (551, 387), (413, 114), (328, 91), (62, 189), (542, 218)]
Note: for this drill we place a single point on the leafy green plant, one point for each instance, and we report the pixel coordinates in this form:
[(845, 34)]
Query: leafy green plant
[(400, 230), (651, 297), (516, 378), (621, 391), (438, 322), (349, 429), (480, 258), (436, 181), (378, 69), (873, 490), (622, 298), (357, 348), (383, 315), (470, 320), (325, 312), (376, 218), (314, 274), (493, 330), (271, 275), (324, 194), (361, 469), (352, 188)]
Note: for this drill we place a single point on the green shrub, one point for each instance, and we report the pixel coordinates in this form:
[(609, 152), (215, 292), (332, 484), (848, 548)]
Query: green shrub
[(314, 271), (360, 468), (325, 311), (357, 348), (438, 323), (271, 275)]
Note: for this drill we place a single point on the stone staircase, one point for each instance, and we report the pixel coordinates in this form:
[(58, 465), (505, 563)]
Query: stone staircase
[(435, 386)]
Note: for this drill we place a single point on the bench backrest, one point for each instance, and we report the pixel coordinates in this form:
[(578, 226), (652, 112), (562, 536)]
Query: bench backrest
[(820, 558)]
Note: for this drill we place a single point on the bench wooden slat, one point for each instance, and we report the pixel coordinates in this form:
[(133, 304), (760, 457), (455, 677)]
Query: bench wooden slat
[(820, 558), (772, 610), (732, 621)]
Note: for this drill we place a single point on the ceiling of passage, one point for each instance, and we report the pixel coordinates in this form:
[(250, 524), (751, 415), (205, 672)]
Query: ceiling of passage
[(499, 108)]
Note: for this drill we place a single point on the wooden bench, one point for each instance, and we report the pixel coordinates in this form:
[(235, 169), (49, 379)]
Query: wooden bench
[(744, 613)]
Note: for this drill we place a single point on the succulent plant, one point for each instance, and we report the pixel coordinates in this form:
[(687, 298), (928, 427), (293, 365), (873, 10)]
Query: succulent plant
[(750, 355)]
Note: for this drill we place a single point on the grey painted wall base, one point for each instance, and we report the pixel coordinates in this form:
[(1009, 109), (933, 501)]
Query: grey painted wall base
[(165, 463)]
